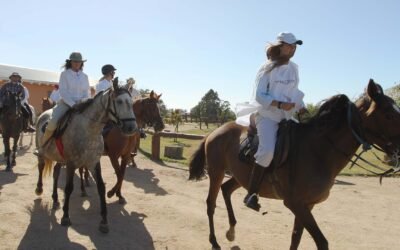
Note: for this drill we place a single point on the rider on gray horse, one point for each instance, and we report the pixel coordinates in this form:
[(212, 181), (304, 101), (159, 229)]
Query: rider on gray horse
[(14, 86)]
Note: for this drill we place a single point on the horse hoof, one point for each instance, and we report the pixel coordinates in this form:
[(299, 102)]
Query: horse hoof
[(66, 222), (122, 201), (56, 205), (230, 234), (84, 194), (8, 169), (110, 194), (104, 228), (39, 191)]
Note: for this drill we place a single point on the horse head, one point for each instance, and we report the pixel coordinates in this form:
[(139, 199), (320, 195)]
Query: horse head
[(380, 119), (150, 111), (120, 109), (12, 104)]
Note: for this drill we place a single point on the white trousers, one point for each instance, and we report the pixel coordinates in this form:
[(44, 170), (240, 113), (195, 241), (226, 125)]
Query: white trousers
[(58, 111), (267, 130)]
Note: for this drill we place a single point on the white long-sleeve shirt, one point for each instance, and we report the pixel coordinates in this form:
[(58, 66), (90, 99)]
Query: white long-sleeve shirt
[(55, 95), (74, 87), (280, 84), (103, 85), (26, 98)]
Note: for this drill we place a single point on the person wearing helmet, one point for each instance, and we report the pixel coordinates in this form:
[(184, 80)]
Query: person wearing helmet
[(105, 82)]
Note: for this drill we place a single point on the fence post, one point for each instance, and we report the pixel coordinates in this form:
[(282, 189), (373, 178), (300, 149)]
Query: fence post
[(155, 146)]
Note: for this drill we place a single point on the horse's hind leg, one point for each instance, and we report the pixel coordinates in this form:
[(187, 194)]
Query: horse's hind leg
[(39, 185), (216, 177), (69, 187), (102, 195), (227, 189), (56, 174), (83, 190)]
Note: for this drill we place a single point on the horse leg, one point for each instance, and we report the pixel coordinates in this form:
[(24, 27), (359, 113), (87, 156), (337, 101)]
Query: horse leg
[(306, 219), (6, 141), (21, 138), (116, 166), (215, 184), (297, 232), (69, 187), (39, 185), (86, 174), (124, 162), (102, 195), (227, 189), (56, 174), (14, 153), (83, 190)]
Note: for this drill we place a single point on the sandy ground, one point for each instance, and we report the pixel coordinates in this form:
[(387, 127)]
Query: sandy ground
[(165, 211)]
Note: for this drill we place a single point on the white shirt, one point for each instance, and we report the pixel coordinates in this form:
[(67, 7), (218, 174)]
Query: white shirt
[(103, 85), (25, 100), (74, 87), (280, 84), (55, 95)]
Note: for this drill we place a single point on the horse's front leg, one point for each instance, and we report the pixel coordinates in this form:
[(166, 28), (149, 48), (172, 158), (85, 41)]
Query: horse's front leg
[(305, 219), (124, 162), (116, 166), (69, 187), (14, 153), (6, 142), (102, 195)]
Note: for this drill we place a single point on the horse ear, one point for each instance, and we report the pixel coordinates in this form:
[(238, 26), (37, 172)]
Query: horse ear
[(374, 90), (152, 94), (115, 83), (159, 96)]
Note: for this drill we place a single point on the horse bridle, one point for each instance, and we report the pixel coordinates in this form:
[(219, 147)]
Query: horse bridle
[(118, 121), (366, 146)]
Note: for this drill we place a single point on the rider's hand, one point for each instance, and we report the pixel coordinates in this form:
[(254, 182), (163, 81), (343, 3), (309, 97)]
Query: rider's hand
[(287, 106)]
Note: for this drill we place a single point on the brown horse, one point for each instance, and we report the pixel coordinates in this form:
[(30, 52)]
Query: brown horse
[(47, 104), (324, 146), (119, 146)]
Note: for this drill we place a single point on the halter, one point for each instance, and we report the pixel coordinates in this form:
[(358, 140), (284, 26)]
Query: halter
[(118, 121)]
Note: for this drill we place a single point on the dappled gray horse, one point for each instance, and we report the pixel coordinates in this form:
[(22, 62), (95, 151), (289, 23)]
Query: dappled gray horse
[(12, 124), (83, 142)]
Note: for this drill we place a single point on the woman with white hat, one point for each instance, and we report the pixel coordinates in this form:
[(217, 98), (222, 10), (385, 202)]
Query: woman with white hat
[(276, 97), (73, 87)]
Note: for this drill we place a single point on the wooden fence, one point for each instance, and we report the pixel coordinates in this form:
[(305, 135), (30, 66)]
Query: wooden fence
[(155, 141)]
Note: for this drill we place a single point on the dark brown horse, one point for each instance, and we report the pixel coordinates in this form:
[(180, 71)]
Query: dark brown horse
[(323, 147), (119, 146)]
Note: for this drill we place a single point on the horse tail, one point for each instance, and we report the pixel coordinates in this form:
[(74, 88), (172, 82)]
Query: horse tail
[(48, 166), (197, 163)]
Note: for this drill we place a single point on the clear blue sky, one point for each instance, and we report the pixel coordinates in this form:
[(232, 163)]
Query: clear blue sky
[(184, 48)]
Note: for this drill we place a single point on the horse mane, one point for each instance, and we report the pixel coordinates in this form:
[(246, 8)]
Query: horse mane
[(330, 114), (80, 107)]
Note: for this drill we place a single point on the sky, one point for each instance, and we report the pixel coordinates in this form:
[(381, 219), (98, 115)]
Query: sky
[(184, 48)]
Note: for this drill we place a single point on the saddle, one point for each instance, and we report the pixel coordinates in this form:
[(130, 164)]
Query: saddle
[(285, 141)]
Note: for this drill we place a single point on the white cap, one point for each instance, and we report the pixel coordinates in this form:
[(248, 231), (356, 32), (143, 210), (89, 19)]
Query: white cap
[(287, 37)]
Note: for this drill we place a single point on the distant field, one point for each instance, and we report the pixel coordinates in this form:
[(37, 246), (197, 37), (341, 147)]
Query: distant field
[(189, 146)]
